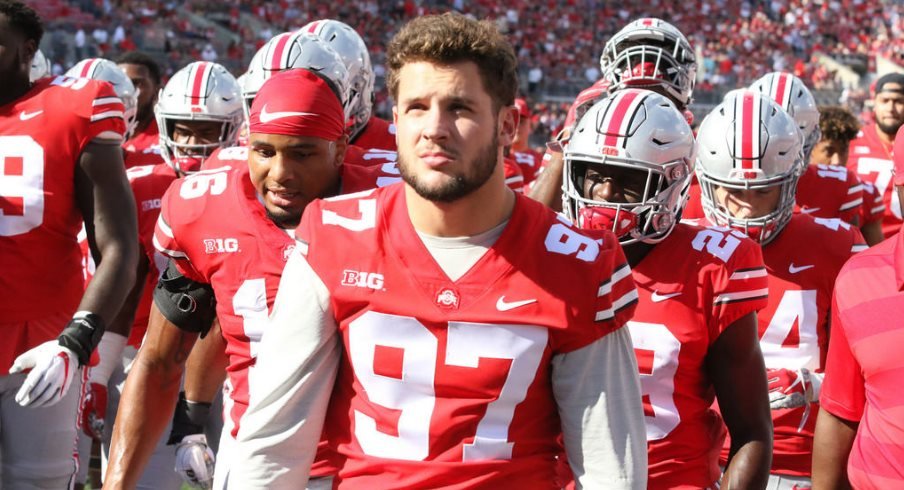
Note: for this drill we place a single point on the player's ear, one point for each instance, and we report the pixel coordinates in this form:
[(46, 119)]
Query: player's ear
[(341, 145), (507, 120)]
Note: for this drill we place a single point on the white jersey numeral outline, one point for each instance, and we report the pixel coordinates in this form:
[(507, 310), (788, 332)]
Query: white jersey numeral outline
[(25, 184), (657, 375)]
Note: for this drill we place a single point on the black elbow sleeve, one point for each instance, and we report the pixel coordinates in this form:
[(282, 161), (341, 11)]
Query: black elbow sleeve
[(187, 304)]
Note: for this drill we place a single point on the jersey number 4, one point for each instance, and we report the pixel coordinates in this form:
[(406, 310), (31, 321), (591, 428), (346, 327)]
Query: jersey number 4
[(412, 395)]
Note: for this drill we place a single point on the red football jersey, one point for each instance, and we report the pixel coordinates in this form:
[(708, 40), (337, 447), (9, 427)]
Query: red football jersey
[(149, 183), (379, 134), (585, 100), (684, 306), (693, 210), (150, 156), (230, 156), (871, 159), (513, 177), (529, 161), (793, 328), (149, 139), (447, 383), (826, 191), (873, 208), (42, 135)]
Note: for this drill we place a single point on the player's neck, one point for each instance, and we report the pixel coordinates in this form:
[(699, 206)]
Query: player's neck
[(520, 147), (886, 139), (636, 252), (13, 88), (473, 214)]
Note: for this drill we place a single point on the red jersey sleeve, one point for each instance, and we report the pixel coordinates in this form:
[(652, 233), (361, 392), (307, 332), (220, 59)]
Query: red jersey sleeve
[(873, 207), (843, 391), (103, 113), (739, 288), (614, 299), (850, 209), (514, 179), (165, 240)]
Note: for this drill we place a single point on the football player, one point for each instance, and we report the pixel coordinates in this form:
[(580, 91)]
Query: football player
[(144, 73), (224, 231), (366, 130), (219, 104), (627, 168), (871, 152), (527, 158), (838, 127), (61, 164), (823, 191), (648, 53), (749, 161), (475, 324)]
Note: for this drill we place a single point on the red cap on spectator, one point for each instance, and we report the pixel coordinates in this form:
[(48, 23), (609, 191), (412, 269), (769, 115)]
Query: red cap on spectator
[(297, 103), (523, 108), (898, 156)]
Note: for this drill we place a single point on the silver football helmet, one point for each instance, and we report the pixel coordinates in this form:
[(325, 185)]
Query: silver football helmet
[(40, 67), (651, 52), (351, 48), (108, 71), (201, 91), (795, 98), (749, 142), (641, 131), (295, 50)]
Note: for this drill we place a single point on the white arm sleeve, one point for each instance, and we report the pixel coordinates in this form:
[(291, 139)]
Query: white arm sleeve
[(289, 387), (597, 390)]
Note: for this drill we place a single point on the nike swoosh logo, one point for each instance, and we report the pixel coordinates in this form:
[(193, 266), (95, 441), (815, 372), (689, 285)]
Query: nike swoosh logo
[(24, 116), (656, 297), (266, 117), (794, 269), (503, 305), (809, 210)]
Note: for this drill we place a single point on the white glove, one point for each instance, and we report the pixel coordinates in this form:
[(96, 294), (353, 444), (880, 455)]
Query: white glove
[(792, 389), (53, 368), (195, 461)]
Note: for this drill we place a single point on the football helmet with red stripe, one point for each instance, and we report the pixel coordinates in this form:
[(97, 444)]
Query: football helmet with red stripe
[(110, 72), (635, 139), (748, 142), (650, 53), (795, 98), (351, 48), (295, 50), (199, 92)]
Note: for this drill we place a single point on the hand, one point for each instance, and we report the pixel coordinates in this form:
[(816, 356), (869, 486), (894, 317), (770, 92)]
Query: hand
[(53, 368), (94, 411), (195, 461), (790, 389)]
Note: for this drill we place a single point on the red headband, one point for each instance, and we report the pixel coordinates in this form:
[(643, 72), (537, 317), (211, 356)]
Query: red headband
[(898, 156), (297, 103)]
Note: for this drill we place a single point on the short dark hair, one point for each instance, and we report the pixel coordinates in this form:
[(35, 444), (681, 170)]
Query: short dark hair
[(23, 18), (838, 124), (143, 59), (453, 38)]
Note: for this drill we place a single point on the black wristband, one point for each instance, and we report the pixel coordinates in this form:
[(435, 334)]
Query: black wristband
[(82, 334), (188, 419)]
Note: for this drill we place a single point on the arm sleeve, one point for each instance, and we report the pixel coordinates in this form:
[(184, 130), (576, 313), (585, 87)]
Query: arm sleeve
[(105, 116), (290, 386), (843, 393), (597, 391), (740, 288)]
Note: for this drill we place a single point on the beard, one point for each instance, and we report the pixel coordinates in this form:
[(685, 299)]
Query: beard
[(455, 187), (890, 129)]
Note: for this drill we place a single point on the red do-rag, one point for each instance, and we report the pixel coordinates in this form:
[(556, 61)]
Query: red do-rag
[(897, 152), (297, 103)]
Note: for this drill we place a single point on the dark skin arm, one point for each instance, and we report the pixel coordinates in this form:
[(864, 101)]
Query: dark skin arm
[(832, 442), (105, 199), (872, 232), (123, 321), (735, 366), (547, 188), (206, 369), (148, 400)]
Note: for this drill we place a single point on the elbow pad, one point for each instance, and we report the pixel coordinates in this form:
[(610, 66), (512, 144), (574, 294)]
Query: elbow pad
[(187, 304)]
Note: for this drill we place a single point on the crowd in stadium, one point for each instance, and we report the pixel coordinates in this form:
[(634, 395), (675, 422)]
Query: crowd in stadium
[(268, 245)]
